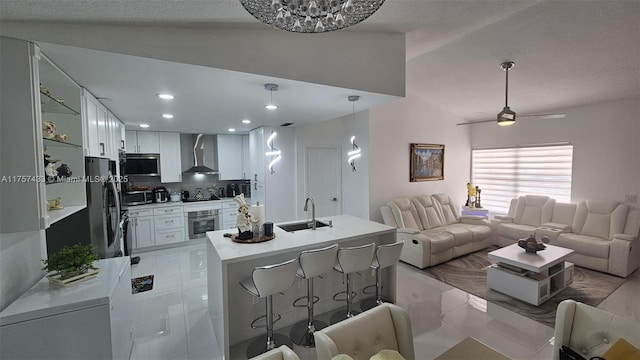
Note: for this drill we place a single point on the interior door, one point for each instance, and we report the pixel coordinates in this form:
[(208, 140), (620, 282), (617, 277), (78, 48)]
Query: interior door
[(322, 181)]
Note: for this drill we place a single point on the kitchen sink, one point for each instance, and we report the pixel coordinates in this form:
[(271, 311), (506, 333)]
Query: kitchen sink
[(305, 225)]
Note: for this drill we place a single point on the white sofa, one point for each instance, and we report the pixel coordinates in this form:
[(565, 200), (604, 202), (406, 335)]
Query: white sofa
[(604, 234), (590, 331), (529, 213), (384, 327), (432, 230)]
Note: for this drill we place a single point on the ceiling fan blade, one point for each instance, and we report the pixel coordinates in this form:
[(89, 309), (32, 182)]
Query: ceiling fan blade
[(477, 122), (544, 116)]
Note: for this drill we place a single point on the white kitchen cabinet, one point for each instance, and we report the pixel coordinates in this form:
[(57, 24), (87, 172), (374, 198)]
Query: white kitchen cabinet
[(95, 118), (89, 320), (143, 231), (123, 137), (230, 157), (170, 157), (142, 142), (246, 162), (169, 225), (257, 147)]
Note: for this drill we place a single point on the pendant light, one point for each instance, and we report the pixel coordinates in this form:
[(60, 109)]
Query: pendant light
[(506, 116), (271, 88)]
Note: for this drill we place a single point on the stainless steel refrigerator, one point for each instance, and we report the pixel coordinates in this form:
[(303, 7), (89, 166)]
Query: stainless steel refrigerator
[(103, 207), (99, 223)]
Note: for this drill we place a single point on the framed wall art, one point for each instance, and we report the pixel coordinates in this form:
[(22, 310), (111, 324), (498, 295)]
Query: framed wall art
[(426, 162)]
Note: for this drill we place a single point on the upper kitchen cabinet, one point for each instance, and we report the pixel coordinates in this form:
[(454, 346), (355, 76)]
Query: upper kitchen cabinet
[(233, 153), (102, 130), (142, 142), (41, 126), (170, 157)]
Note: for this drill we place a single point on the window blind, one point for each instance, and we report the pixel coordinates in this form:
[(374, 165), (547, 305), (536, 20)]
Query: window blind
[(506, 173)]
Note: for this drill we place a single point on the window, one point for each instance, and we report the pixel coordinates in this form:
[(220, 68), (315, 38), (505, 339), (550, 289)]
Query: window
[(506, 173)]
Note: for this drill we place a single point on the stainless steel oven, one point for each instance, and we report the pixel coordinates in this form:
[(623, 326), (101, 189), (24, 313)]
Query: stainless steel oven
[(199, 222)]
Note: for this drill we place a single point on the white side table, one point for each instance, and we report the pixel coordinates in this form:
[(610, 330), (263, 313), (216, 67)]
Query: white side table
[(466, 210)]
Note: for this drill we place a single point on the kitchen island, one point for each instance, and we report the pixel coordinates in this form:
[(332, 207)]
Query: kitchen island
[(232, 309)]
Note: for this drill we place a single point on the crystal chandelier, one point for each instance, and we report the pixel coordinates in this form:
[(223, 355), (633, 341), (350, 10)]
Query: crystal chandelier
[(311, 16)]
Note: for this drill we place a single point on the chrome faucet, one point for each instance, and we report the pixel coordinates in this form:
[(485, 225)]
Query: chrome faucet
[(313, 211)]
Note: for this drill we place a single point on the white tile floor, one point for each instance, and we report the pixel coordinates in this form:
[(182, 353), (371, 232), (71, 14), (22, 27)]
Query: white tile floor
[(171, 321)]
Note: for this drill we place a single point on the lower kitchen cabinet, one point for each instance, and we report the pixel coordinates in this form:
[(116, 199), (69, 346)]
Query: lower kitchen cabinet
[(90, 320), (143, 231), (229, 215)]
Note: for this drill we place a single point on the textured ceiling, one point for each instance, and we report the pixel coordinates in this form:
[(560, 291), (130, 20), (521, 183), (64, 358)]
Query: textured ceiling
[(566, 52)]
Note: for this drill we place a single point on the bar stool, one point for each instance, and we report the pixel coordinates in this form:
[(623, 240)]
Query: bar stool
[(351, 260), (386, 255), (266, 281), (313, 263)]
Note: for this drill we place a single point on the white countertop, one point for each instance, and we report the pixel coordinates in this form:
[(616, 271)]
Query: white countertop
[(46, 299), (180, 203), (345, 227)]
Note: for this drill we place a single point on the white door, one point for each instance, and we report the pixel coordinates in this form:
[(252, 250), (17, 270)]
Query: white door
[(323, 180)]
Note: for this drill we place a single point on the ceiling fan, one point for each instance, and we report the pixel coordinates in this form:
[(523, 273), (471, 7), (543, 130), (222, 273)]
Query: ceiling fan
[(508, 116)]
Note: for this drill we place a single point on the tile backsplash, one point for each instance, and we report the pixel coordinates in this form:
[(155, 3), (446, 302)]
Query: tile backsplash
[(210, 184)]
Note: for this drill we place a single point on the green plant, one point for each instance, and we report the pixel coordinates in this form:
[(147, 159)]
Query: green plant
[(74, 258)]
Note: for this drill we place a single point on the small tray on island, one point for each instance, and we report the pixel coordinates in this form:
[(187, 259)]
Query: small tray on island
[(253, 240)]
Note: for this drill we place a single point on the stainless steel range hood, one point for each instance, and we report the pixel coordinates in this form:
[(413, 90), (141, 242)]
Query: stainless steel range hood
[(198, 156)]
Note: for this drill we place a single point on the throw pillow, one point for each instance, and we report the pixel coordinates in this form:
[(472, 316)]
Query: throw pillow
[(622, 350)]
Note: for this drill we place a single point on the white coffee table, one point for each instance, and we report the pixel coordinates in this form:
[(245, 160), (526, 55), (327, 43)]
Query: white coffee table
[(533, 278)]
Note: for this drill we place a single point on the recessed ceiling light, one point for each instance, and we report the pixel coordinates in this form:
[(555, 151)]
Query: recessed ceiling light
[(167, 116), (271, 106), (231, 130), (166, 96), (246, 121), (144, 125)]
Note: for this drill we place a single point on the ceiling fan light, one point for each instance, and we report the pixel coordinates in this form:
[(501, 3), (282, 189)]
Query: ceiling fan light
[(506, 117)]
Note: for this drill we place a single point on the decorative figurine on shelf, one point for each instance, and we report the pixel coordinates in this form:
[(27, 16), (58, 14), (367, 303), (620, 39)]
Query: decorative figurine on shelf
[(477, 205), (471, 195), (48, 129), (50, 170), (531, 245), (64, 170), (245, 220), (60, 137)]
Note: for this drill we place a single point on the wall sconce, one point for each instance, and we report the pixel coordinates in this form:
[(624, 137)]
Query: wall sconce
[(274, 152), (355, 149), (353, 154)]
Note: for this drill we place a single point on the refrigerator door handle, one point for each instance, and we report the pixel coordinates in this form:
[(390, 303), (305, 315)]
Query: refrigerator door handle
[(116, 199)]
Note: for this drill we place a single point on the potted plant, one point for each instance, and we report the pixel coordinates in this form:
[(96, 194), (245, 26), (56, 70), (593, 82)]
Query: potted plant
[(71, 261)]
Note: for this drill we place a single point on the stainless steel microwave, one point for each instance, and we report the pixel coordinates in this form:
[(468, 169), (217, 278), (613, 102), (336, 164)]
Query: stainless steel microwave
[(142, 165), (132, 198)]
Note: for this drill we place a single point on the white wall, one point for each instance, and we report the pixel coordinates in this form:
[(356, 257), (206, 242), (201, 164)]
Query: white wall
[(257, 51), (393, 127), (606, 150), (21, 257), (337, 133), (280, 187)]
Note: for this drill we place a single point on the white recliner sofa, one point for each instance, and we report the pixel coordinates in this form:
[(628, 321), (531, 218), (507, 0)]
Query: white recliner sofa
[(531, 211), (590, 331), (604, 235), (432, 231), (384, 327), (280, 353)]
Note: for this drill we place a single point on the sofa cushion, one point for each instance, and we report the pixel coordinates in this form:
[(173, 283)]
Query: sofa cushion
[(600, 218), (447, 209), (584, 244), (515, 231), (534, 210), (480, 232), (439, 240), (405, 213), (461, 234), (426, 208)]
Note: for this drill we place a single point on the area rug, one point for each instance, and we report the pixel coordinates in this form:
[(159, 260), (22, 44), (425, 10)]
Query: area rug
[(469, 273), (140, 284)]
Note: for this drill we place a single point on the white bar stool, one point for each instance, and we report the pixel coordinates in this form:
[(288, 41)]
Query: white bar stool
[(351, 260), (386, 255), (313, 263), (265, 282)]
